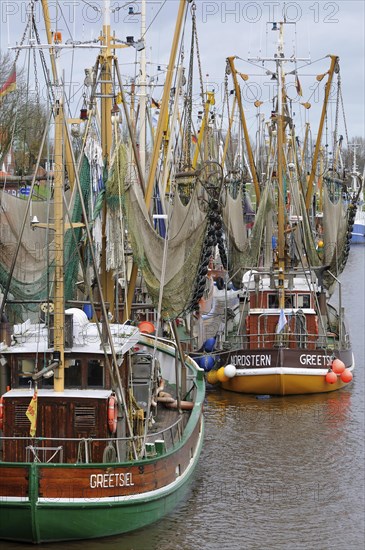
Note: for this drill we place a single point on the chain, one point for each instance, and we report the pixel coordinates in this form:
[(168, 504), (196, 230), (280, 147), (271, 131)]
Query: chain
[(336, 116), (344, 119), (189, 100), (225, 99), (193, 9), (43, 61), (22, 40), (36, 82)]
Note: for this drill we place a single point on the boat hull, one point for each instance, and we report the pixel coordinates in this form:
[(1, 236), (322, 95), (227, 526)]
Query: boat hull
[(55, 502), (358, 233), (284, 372)]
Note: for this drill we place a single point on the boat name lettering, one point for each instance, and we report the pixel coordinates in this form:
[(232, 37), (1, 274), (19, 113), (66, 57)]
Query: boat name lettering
[(315, 360), (106, 481), (251, 360)]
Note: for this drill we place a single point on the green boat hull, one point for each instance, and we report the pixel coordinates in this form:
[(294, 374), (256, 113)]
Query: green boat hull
[(36, 522)]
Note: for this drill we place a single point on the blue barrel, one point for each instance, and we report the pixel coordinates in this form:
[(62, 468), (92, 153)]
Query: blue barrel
[(88, 309)]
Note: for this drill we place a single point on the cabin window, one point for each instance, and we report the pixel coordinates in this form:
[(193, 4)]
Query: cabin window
[(95, 374), (25, 371), (289, 301), (73, 375), (304, 301), (26, 368), (273, 301)]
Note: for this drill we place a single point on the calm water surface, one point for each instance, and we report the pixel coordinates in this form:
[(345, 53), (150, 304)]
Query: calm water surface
[(281, 473)]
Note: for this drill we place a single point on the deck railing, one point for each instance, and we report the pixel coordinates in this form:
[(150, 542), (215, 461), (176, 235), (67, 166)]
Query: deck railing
[(117, 449), (307, 340)]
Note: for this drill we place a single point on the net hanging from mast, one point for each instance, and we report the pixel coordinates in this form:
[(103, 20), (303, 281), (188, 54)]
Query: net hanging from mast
[(186, 233)]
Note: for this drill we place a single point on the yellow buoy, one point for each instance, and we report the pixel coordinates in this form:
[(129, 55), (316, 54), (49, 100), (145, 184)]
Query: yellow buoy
[(221, 375), (212, 377)]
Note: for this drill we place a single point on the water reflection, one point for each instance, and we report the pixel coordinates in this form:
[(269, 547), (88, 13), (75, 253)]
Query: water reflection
[(282, 473)]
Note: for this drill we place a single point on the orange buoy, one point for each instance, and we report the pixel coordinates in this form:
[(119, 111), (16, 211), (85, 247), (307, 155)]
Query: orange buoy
[(147, 327), (112, 414), (346, 376), (338, 366), (221, 375), (331, 377), (57, 37)]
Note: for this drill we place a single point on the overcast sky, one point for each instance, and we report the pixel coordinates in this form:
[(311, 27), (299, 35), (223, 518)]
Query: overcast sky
[(225, 28)]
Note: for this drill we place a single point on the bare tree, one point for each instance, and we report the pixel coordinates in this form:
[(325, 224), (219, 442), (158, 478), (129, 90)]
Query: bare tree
[(22, 119)]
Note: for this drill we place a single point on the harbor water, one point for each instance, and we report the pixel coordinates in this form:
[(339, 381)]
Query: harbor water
[(275, 473)]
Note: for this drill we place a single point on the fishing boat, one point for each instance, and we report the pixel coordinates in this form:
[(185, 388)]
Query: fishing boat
[(289, 337), (358, 230), (101, 420)]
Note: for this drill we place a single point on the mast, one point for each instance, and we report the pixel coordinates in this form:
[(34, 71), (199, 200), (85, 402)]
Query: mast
[(58, 226), (209, 102), (245, 130), (158, 140), (59, 297), (106, 61), (334, 64), (280, 160), (47, 21), (143, 95)]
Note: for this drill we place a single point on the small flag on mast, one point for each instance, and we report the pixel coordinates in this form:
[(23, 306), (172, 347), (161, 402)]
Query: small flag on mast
[(298, 86), (9, 85), (155, 103), (32, 414), (282, 322)]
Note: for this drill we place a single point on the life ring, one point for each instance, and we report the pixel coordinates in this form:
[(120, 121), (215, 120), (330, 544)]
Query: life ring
[(1, 412), (112, 414)]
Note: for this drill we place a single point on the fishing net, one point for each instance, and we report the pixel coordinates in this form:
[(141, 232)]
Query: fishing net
[(244, 251), (185, 237), (30, 274), (334, 233), (32, 278)]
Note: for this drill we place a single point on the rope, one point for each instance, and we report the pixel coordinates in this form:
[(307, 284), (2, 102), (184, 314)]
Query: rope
[(109, 454), (153, 20)]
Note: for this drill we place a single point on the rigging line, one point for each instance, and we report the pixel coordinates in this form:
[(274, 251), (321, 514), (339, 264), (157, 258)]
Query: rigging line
[(59, 6), (159, 307), (344, 118), (71, 72), (122, 230), (44, 63), (149, 26), (88, 288), (95, 8), (121, 396)]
